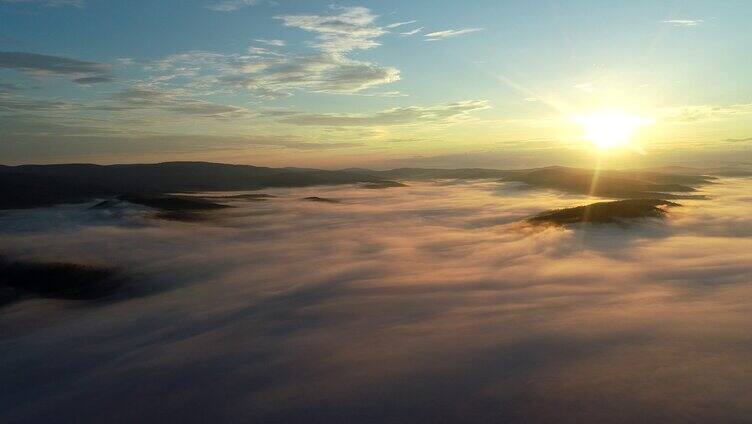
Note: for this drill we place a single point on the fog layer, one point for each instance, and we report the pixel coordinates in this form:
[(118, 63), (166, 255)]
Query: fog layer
[(428, 303)]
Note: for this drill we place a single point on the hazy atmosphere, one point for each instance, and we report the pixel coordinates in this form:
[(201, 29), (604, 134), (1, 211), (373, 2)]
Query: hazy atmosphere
[(375, 84), (262, 211)]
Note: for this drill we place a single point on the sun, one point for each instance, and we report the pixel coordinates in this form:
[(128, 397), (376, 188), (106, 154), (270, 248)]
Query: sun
[(611, 128)]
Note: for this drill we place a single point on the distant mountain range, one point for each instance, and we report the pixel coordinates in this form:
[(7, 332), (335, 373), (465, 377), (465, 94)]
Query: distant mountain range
[(28, 186)]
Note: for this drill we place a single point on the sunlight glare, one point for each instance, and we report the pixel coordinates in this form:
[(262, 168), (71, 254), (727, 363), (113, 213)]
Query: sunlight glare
[(611, 129)]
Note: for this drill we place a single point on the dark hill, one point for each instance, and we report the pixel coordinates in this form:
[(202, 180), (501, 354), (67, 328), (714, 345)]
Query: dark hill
[(20, 279), (172, 203), (605, 212), (180, 208), (28, 186), (320, 199), (382, 185)]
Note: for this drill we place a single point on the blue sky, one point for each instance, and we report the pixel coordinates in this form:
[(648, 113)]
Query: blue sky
[(290, 82)]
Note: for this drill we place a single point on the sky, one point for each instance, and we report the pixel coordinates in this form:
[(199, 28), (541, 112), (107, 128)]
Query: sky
[(373, 83)]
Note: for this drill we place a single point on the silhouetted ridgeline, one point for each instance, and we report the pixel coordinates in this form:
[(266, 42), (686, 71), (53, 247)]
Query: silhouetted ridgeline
[(723, 171), (623, 184), (609, 183), (382, 185), (29, 186), (43, 185), (605, 212)]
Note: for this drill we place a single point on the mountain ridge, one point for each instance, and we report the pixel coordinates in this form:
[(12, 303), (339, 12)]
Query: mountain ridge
[(28, 186)]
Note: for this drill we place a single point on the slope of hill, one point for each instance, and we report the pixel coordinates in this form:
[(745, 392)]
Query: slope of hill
[(605, 212)]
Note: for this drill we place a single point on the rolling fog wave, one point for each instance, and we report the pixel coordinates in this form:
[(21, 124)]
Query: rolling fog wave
[(431, 303)]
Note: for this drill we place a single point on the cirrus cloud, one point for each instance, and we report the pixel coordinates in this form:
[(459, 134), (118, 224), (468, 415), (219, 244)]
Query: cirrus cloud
[(352, 29), (437, 114), (449, 33), (231, 5), (276, 73), (141, 98), (54, 3), (40, 65), (683, 22)]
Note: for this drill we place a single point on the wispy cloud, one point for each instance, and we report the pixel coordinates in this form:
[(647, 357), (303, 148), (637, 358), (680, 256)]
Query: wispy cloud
[(231, 5), (38, 64), (31, 62), (13, 103), (329, 69), (271, 42), (94, 80), (352, 29), (738, 140), (442, 113), (413, 32), (399, 24), (7, 87), (25, 136), (142, 98), (587, 87), (698, 113), (272, 74), (440, 35), (75, 3), (260, 51), (683, 22)]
